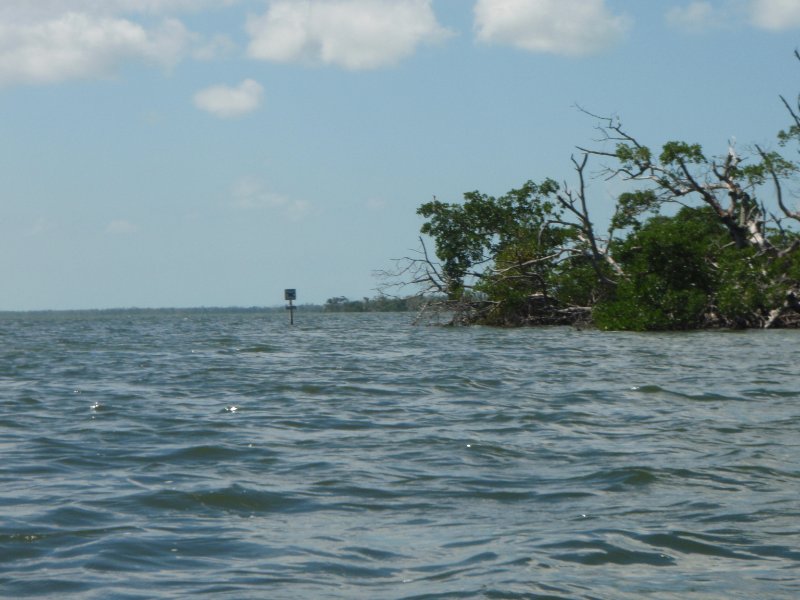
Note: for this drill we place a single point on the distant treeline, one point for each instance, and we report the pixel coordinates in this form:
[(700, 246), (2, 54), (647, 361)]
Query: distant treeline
[(376, 304), (337, 304)]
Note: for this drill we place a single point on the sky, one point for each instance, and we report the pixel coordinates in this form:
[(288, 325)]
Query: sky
[(187, 153)]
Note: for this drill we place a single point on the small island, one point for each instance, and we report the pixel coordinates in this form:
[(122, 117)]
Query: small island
[(695, 242)]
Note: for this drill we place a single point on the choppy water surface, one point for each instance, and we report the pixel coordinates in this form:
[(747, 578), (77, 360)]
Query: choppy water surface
[(228, 455)]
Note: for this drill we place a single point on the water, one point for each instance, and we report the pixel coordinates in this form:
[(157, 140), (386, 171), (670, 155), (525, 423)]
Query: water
[(227, 455)]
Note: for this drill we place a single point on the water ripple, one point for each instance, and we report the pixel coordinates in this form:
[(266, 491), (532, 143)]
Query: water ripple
[(228, 455)]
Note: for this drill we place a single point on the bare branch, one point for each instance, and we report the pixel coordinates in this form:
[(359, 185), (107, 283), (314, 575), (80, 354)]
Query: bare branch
[(778, 187)]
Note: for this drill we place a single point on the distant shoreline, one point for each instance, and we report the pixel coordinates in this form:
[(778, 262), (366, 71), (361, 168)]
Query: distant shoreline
[(307, 308), (134, 309)]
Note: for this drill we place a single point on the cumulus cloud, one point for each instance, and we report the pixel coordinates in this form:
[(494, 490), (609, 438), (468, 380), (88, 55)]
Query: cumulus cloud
[(79, 46), (250, 194), (353, 34), (49, 41), (228, 102), (566, 27), (775, 14), (37, 10), (701, 15)]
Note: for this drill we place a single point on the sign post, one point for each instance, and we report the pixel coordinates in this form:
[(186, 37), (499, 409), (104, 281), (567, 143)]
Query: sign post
[(290, 295)]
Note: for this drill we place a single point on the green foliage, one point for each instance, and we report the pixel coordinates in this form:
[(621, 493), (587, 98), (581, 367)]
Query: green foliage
[(771, 163), (343, 304), (528, 264), (680, 152), (741, 292), (575, 282), (670, 274), (379, 303), (751, 284), (630, 205), (788, 135), (470, 235), (629, 154), (533, 256), (682, 273)]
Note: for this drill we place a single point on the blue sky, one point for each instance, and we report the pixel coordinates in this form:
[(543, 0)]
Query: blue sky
[(175, 153)]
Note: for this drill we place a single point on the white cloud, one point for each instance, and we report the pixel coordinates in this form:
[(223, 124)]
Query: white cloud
[(42, 10), (49, 41), (156, 6), (250, 194), (121, 227), (696, 17), (78, 46), (775, 14), (701, 15), (354, 34), (228, 102), (567, 27)]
